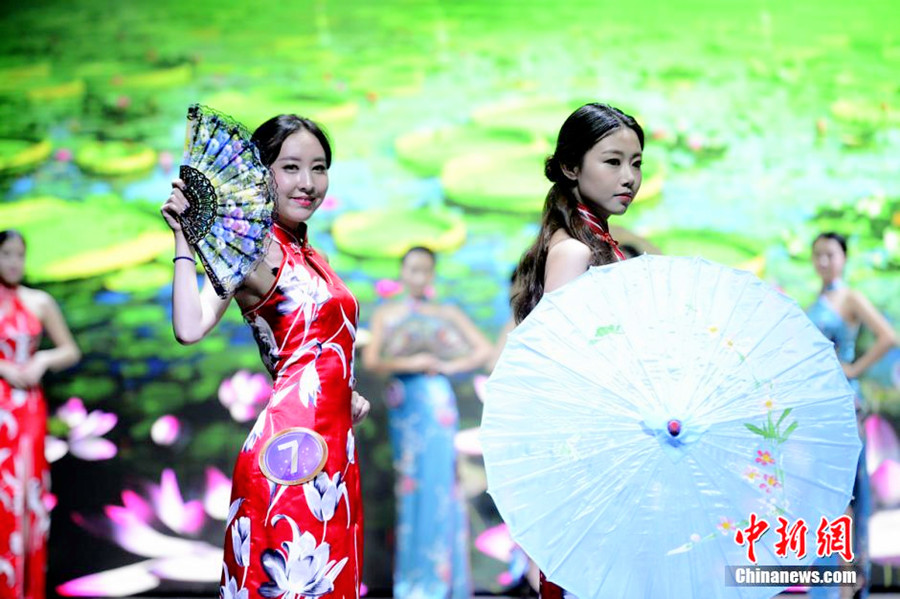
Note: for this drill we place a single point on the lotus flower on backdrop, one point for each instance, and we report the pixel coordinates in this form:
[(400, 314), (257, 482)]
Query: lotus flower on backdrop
[(162, 527), (330, 203), (245, 394), (496, 542), (386, 288), (883, 460), (82, 433), (166, 430)]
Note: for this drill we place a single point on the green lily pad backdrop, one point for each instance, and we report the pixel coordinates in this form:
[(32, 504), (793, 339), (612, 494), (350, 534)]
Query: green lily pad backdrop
[(100, 235), (541, 117), (20, 155), (258, 105), (512, 180), (426, 152), (115, 158), (726, 248), (389, 233)]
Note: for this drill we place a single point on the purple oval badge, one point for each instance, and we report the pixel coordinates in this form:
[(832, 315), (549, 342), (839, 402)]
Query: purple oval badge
[(293, 456)]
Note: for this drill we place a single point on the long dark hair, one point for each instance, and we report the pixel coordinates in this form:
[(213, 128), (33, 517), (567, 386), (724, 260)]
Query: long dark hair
[(269, 136), (578, 134)]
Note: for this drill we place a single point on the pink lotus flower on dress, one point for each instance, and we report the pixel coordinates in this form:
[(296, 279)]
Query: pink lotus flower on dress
[(63, 155), (85, 430), (161, 527), (446, 417), (245, 394), (166, 430), (407, 485)]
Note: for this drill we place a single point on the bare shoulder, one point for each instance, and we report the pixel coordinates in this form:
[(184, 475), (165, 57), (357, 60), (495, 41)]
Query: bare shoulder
[(856, 299), (564, 247), (566, 260), (36, 300)]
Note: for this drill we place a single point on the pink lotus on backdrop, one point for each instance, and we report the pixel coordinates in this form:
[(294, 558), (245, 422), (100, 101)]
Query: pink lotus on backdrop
[(883, 465), (166, 430), (881, 442), (166, 161), (386, 288), (83, 437), (330, 203), (883, 460), (162, 526), (495, 542), (245, 394)]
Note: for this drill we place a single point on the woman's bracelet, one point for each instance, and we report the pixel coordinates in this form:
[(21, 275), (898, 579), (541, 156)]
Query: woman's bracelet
[(176, 258)]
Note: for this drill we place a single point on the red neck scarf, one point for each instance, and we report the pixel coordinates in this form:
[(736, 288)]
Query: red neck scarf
[(597, 229)]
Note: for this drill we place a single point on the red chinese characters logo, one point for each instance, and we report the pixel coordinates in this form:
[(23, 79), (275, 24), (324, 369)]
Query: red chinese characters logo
[(750, 535), (835, 537)]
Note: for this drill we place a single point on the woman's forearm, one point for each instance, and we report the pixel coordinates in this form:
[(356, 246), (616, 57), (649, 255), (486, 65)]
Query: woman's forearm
[(881, 346), (59, 358), (474, 360), (187, 311)]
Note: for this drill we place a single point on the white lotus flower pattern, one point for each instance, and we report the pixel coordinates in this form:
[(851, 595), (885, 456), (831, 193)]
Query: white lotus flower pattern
[(300, 567), (240, 541), (323, 494), (230, 589), (301, 291)]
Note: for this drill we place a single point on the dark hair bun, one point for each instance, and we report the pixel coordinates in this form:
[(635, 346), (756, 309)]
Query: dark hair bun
[(553, 171)]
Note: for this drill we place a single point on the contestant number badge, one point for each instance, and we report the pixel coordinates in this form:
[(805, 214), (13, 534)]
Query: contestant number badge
[(293, 456)]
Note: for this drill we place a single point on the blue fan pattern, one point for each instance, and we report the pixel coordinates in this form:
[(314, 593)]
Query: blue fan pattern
[(231, 197)]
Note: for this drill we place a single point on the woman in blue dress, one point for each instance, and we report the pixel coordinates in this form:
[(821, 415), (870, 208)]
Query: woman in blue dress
[(839, 312), (420, 343)]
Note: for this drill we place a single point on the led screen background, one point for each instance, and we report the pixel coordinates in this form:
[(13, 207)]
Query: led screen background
[(766, 123)]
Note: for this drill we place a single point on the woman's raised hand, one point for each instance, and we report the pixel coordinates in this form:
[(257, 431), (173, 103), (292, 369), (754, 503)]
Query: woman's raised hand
[(174, 205)]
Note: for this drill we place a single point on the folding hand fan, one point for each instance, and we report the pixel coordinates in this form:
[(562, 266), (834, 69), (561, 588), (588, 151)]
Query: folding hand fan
[(230, 194)]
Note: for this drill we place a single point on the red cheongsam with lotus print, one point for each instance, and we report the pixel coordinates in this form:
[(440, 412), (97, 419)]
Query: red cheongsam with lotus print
[(295, 527)]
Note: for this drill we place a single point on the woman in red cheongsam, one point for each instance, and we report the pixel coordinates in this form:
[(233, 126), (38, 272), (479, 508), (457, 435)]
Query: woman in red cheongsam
[(295, 526), (25, 314)]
